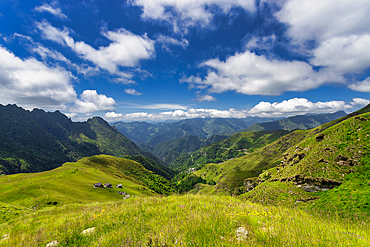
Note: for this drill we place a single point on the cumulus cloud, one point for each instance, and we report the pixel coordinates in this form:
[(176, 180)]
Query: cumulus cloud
[(201, 98), (52, 9), (31, 83), (361, 86), (91, 101), (250, 74), (349, 54), (132, 91), (126, 48), (182, 14), (323, 20), (340, 29), (298, 106), (286, 108), (71, 115)]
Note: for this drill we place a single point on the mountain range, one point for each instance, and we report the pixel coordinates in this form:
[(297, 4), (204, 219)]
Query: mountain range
[(186, 136), (33, 141)]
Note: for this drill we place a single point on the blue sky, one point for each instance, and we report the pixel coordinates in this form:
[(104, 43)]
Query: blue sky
[(158, 60)]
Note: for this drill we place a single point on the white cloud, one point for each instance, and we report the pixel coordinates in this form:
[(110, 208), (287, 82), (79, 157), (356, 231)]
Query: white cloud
[(299, 106), (286, 108), (264, 43), (340, 30), (52, 9), (161, 107), (349, 54), (46, 54), (91, 101), (30, 83), (201, 98), (166, 41), (126, 49), (250, 74), (323, 20), (182, 14), (132, 91), (71, 115), (361, 86)]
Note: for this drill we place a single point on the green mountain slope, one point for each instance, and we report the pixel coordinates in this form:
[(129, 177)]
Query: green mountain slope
[(296, 122), (331, 169), (153, 134), (170, 150), (234, 146), (237, 175), (73, 183), (39, 140)]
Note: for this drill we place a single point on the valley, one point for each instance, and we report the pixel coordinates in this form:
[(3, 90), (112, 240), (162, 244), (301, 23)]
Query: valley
[(272, 187)]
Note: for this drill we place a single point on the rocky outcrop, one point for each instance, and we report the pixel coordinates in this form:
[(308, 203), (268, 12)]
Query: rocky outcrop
[(98, 185), (311, 184), (119, 186), (345, 161), (291, 160), (108, 185), (320, 137)]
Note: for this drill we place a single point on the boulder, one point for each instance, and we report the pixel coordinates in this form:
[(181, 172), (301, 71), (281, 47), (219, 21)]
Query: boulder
[(88, 231), (53, 244), (108, 185), (98, 185), (119, 186), (121, 193), (126, 196)]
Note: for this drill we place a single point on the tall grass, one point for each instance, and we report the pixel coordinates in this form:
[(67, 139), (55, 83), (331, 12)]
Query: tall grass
[(189, 220)]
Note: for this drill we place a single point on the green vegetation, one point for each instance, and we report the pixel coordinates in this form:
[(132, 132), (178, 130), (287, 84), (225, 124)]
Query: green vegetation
[(300, 188), (73, 183), (297, 122), (234, 146), (153, 134), (182, 220), (38, 140)]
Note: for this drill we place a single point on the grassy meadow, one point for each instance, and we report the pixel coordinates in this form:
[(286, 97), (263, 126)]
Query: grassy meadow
[(188, 220)]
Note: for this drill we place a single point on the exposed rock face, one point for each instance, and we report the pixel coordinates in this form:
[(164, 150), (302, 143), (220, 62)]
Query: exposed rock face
[(249, 184), (297, 157), (345, 161), (98, 185), (320, 137), (108, 185), (119, 186), (311, 184)]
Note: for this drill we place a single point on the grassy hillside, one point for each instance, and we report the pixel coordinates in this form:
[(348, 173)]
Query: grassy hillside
[(170, 150), (234, 146), (241, 174), (73, 183), (181, 221), (38, 140), (333, 164), (296, 122)]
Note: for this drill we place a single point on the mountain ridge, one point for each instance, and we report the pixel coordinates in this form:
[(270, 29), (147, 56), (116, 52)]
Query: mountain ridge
[(36, 140)]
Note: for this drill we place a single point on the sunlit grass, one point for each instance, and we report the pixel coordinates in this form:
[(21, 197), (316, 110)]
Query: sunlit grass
[(190, 220)]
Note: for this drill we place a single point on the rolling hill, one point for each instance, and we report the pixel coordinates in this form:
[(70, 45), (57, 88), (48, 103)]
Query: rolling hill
[(73, 183)]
